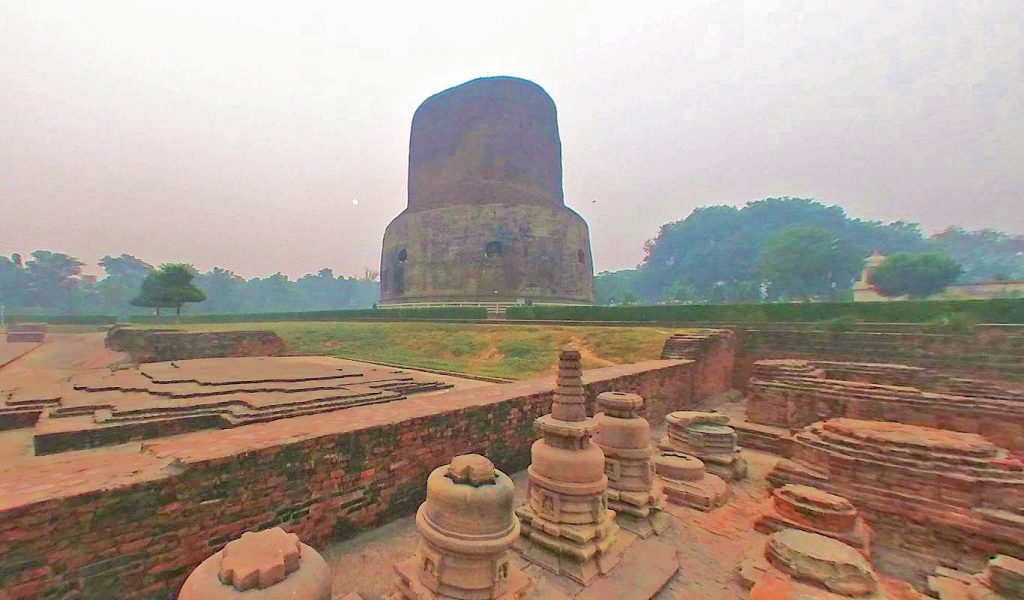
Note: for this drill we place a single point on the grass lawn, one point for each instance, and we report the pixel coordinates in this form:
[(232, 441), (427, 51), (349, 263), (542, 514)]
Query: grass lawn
[(508, 351)]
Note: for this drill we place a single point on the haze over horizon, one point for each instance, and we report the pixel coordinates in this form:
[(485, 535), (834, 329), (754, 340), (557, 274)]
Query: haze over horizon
[(239, 134)]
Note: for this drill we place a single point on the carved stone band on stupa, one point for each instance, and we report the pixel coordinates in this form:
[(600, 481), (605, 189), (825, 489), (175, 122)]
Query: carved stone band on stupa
[(625, 438), (265, 565), (566, 524), (467, 527)]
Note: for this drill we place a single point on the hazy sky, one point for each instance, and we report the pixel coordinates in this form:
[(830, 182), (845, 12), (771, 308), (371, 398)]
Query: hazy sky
[(238, 134)]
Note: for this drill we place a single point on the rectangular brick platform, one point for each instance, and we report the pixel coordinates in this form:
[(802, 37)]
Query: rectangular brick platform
[(118, 523)]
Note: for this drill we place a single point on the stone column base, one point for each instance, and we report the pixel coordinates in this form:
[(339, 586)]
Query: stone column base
[(409, 586), (579, 552)]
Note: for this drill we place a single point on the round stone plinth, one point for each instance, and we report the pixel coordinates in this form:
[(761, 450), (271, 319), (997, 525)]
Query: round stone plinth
[(620, 402), (679, 466), (823, 560), (811, 507), (884, 433), (264, 565)]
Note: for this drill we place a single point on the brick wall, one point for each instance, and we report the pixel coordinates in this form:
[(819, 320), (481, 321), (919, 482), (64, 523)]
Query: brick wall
[(134, 524), (991, 352), (155, 345)]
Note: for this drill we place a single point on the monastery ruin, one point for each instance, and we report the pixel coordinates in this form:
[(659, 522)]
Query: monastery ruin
[(777, 461)]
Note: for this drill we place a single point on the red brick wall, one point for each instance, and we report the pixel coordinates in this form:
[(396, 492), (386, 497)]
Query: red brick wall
[(156, 345), (133, 525), (990, 353)]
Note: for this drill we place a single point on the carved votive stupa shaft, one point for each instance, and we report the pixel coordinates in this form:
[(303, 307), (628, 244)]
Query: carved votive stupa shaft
[(567, 525), (467, 526), (625, 438)]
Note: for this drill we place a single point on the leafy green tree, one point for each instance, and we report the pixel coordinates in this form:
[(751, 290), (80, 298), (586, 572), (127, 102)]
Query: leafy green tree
[(53, 281), (915, 275), (225, 291), (984, 255), (805, 262), (13, 282), (169, 286), (715, 249), (610, 287), (124, 277)]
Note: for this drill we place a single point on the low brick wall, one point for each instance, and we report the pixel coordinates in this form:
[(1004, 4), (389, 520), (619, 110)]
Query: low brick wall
[(133, 525), (156, 345), (990, 353)]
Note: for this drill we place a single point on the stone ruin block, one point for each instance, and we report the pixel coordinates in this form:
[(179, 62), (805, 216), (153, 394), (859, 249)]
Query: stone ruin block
[(34, 333), (795, 393), (810, 509), (1002, 579), (687, 484), (933, 497), (708, 437)]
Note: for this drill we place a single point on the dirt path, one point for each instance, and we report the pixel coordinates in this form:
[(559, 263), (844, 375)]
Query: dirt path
[(57, 359)]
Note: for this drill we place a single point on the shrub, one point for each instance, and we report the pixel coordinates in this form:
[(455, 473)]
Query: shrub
[(960, 322), (840, 324), (391, 314), (1009, 310)]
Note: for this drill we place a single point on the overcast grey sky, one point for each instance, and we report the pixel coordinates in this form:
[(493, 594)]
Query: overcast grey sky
[(238, 134)]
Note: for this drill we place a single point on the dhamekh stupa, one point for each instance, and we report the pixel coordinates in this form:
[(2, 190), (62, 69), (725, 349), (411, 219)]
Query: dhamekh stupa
[(486, 221)]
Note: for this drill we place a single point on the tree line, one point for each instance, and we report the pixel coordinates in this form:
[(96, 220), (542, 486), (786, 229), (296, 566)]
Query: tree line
[(780, 249), (53, 283)]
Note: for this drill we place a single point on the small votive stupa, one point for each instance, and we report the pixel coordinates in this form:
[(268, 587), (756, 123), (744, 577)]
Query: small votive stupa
[(625, 438), (708, 437), (467, 526), (567, 526), (261, 565)]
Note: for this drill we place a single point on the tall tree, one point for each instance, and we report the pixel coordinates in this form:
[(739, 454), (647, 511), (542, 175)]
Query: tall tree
[(53, 281), (984, 255), (169, 286), (715, 249), (806, 262), (915, 275), (124, 277)]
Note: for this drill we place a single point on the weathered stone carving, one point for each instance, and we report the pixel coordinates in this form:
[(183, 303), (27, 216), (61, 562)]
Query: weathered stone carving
[(567, 519), (810, 509), (625, 438), (708, 437), (687, 484), (467, 527), (265, 565)]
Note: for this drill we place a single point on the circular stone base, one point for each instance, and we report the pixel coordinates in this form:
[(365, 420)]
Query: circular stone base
[(823, 560)]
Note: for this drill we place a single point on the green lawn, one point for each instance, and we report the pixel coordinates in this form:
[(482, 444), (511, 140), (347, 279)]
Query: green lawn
[(508, 351)]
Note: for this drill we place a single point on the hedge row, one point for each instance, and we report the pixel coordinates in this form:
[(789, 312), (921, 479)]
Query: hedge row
[(64, 320), (325, 315), (984, 311)]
